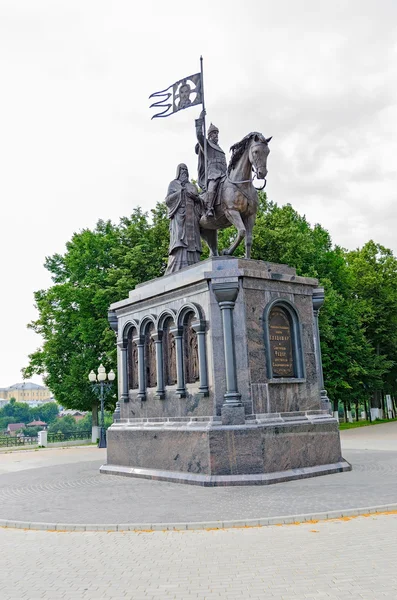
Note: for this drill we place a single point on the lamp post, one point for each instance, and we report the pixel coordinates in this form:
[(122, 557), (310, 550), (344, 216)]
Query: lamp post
[(99, 387)]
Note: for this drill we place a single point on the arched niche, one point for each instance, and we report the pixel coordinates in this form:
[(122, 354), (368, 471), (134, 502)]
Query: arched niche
[(191, 324), (148, 330), (169, 351), (132, 359), (283, 341), (129, 358), (190, 349)]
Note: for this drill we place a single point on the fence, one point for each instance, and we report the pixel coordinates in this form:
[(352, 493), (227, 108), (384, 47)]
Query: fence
[(52, 438), (17, 441), (68, 435)]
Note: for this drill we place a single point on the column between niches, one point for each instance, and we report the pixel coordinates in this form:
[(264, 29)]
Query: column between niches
[(318, 301), (122, 394), (177, 332), (123, 370), (114, 324), (140, 343), (199, 327), (158, 340), (232, 410)]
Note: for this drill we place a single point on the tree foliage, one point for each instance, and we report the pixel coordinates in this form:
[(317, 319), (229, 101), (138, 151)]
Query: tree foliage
[(21, 412), (358, 321)]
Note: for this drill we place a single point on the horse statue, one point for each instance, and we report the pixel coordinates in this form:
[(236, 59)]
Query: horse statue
[(237, 201)]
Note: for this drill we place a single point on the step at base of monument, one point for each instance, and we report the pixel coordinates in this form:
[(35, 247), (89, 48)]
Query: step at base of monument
[(227, 480), (267, 449)]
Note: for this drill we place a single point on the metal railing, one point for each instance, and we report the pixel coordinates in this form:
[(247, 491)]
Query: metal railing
[(68, 435), (17, 441)]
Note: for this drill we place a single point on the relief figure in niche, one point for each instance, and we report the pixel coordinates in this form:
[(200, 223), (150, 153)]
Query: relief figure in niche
[(132, 361), (190, 351), (172, 360), (150, 358), (134, 355), (169, 353), (194, 356)]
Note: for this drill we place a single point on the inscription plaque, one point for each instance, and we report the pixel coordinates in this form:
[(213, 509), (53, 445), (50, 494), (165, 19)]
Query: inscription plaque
[(281, 354)]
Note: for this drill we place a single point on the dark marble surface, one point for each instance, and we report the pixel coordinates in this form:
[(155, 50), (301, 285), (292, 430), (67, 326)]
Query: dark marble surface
[(162, 448), (192, 405), (260, 283), (212, 449)]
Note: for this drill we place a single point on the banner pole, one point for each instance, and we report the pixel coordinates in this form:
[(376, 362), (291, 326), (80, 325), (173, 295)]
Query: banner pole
[(204, 132)]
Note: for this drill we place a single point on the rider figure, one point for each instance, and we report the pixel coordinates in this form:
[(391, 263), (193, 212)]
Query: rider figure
[(216, 162)]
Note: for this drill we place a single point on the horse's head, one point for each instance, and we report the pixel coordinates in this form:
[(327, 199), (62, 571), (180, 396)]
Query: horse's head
[(258, 153)]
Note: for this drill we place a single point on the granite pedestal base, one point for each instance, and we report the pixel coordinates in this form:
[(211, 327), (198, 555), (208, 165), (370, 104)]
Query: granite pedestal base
[(220, 378), (265, 449)]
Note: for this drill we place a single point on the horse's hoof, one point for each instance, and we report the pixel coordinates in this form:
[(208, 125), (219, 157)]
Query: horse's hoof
[(225, 253)]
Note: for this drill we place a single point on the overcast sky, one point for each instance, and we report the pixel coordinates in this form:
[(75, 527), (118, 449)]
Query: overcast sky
[(77, 143)]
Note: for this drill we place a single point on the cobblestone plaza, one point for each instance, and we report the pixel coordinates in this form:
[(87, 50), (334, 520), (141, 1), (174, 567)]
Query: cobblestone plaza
[(346, 558)]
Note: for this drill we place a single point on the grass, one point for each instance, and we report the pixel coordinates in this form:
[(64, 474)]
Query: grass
[(364, 423)]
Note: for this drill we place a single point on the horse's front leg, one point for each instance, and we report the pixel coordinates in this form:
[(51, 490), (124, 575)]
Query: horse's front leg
[(249, 226), (234, 217), (210, 236)]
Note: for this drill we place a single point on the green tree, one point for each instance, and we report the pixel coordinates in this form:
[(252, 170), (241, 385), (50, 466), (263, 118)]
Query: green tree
[(47, 412), (98, 268), (351, 366), (65, 424), (5, 421), (19, 411), (358, 321), (374, 275), (85, 423), (32, 431)]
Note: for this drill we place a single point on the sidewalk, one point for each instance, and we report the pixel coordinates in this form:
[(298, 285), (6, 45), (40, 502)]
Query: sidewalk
[(373, 437), (62, 487)]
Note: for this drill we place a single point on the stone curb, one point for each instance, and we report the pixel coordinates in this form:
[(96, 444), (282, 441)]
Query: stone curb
[(15, 449), (282, 520)]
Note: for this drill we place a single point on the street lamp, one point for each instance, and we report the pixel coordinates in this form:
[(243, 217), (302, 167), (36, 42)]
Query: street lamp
[(99, 387)]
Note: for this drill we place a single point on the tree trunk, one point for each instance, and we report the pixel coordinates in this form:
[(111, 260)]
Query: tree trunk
[(384, 405), (357, 408), (368, 410), (95, 413), (345, 411), (95, 429)]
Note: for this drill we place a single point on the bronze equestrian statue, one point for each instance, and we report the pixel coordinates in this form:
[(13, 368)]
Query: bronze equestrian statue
[(230, 196)]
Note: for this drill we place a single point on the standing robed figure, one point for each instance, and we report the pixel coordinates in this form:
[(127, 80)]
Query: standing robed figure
[(184, 211)]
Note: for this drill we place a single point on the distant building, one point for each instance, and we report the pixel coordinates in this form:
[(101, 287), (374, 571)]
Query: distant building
[(37, 424), (27, 392), (76, 414), (13, 428), (3, 402)]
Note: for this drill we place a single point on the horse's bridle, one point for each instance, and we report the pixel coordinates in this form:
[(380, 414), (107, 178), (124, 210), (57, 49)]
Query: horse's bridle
[(255, 171)]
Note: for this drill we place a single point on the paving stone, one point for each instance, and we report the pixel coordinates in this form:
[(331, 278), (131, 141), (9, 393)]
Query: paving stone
[(77, 494), (277, 562)]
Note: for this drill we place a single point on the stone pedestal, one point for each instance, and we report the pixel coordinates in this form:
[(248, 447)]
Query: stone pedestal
[(233, 393), (232, 415)]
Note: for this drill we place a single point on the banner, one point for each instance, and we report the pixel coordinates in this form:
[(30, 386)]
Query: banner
[(182, 94)]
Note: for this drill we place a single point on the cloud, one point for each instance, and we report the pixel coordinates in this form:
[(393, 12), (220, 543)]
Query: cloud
[(77, 143)]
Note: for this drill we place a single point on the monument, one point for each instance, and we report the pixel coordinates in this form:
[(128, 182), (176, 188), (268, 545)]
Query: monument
[(219, 363)]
